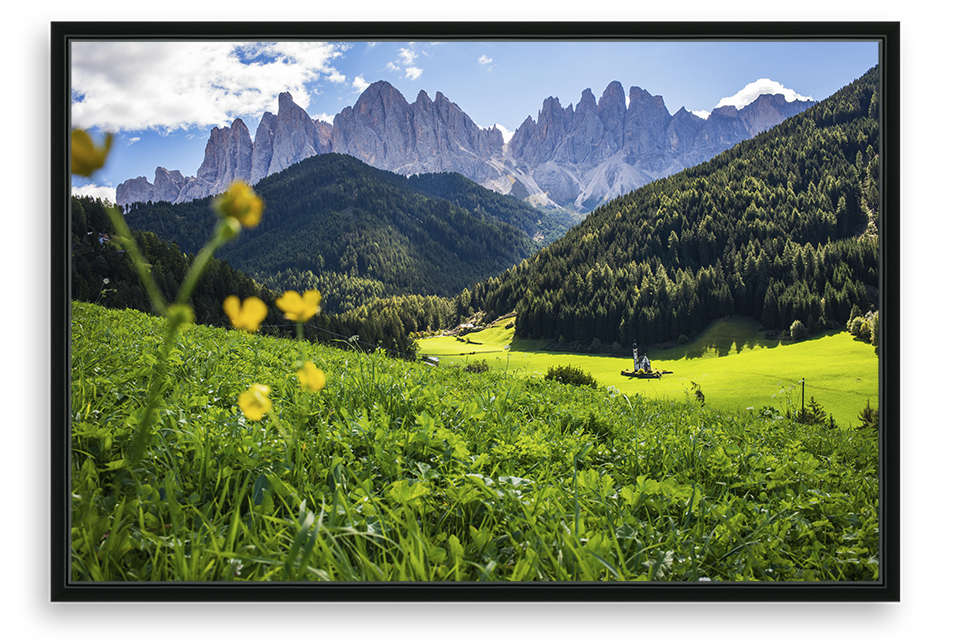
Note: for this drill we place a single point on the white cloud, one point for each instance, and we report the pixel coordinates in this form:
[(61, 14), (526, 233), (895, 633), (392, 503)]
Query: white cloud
[(95, 191), (359, 84), (507, 133), (133, 140), (762, 86), (408, 56), (324, 117), (337, 77), (177, 85), (484, 59), (701, 114), (404, 63)]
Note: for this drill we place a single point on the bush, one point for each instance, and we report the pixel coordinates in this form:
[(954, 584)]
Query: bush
[(869, 418), (571, 375), (683, 339), (854, 326), (478, 367), (798, 331), (866, 328)]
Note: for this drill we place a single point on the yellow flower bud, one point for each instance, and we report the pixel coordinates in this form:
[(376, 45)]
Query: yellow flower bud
[(300, 308), (85, 156), (311, 377), (246, 316), (241, 203), (254, 401)]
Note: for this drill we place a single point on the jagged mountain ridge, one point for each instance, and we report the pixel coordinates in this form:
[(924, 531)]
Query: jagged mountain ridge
[(575, 157)]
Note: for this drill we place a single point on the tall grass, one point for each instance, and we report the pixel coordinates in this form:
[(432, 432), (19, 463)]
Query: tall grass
[(401, 472)]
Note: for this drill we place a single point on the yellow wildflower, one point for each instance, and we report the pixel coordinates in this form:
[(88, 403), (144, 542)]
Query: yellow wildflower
[(246, 316), (311, 377), (85, 156), (299, 308), (241, 203), (254, 401)]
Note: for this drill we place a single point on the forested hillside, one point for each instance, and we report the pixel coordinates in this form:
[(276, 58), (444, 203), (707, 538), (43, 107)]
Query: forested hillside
[(543, 225), (780, 228), (332, 214), (103, 273)]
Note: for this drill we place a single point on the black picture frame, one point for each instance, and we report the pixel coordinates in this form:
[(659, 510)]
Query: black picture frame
[(887, 589)]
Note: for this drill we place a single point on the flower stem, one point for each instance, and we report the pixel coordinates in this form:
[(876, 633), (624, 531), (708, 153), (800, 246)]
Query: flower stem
[(130, 245), (153, 398), (197, 266)]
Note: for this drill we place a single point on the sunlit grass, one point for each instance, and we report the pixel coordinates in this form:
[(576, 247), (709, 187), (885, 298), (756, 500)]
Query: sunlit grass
[(735, 366), (398, 471)]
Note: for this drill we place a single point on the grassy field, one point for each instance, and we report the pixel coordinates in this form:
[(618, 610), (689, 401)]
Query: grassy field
[(735, 366), (396, 471)]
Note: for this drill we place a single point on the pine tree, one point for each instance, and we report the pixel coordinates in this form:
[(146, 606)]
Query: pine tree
[(869, 417)]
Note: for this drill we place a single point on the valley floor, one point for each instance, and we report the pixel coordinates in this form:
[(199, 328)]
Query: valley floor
[(735, 367)]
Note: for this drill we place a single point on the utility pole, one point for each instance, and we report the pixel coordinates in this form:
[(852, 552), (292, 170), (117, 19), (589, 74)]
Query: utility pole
[(802, 385)]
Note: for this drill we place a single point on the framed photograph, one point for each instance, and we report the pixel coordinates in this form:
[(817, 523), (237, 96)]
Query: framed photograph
[(475, 312)]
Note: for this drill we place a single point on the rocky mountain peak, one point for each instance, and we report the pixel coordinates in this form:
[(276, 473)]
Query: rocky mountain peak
[(573, 156), (587, 102)]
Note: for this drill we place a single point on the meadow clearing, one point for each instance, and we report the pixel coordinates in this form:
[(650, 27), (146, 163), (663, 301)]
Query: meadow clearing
[(735, 366)]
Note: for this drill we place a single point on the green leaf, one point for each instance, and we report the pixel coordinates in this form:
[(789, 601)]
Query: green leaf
[(408, 492), (259, 485)]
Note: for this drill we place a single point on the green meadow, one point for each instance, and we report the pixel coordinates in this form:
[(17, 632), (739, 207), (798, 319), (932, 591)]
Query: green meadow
[(735, 367), (397, 471)]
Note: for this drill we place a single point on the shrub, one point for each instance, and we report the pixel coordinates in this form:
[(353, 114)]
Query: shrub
[(698, 393), (813, 413), (683, 339), (853, 325), (571, 375), (798, 331), (869, 418), (478, 367)]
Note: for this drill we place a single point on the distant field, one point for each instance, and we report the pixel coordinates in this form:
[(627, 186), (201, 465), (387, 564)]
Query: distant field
[(735, 366)]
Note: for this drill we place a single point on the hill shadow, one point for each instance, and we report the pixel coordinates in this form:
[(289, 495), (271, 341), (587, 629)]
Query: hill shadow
[(723, 337)]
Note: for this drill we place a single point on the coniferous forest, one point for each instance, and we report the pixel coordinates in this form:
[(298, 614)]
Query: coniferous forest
[(103, 273), (333, 214), (781, 228)]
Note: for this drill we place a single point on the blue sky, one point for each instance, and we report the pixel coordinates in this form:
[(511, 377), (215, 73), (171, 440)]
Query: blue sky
[(160, 99)]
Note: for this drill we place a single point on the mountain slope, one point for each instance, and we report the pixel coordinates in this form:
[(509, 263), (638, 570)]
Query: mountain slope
[(780, 228), (332, 213)]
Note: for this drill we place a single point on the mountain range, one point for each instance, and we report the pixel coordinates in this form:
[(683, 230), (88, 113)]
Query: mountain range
[(575, 157)]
